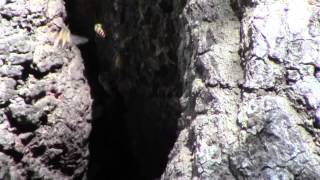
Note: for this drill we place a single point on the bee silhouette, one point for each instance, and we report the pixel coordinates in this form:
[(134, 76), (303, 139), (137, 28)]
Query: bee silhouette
[(98, 28)]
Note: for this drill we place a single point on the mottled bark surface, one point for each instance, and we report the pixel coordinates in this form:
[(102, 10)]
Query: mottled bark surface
[(211, 70), (45, 102), (244, 74), (251, 91)]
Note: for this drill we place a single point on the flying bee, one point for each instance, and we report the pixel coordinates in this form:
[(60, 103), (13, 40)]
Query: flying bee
[(63, 37), (98, 28)]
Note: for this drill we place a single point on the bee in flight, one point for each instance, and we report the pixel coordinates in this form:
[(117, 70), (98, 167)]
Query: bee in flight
[(63, 37), (98, 28)]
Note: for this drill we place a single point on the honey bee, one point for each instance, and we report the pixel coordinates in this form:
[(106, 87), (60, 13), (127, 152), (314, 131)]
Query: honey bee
[(63, 37), (98, 28)]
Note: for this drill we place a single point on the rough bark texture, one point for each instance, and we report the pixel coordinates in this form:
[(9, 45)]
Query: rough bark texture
[(45, 102), (252, 115), (248, 72), (210, 68)]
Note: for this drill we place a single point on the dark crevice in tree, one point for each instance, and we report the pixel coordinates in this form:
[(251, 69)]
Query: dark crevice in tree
[(133, 130)]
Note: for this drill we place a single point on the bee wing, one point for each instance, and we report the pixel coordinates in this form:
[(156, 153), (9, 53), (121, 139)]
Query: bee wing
[(57, 40), (65, 38), (78, 40)]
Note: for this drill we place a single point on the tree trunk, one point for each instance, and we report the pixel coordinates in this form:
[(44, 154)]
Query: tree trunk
[(250, 101), (45, 101), (232, 85)]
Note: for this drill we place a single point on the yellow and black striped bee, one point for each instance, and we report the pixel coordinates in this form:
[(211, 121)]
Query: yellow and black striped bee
[(98, 28)]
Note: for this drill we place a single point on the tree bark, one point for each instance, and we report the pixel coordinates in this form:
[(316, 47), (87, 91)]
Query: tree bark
[(251, 91), (45, 101), (249, 72)]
